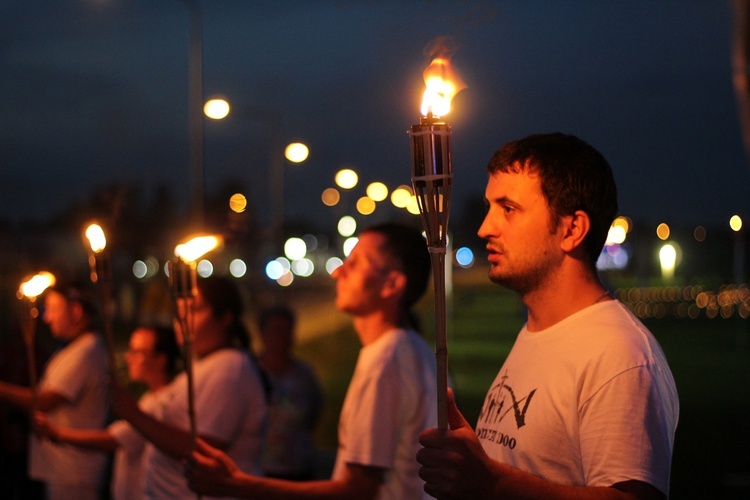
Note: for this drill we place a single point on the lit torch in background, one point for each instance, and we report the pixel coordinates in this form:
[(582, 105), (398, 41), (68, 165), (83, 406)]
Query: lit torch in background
[(432, 179), (100, 273), (183, 282), (30, 290)]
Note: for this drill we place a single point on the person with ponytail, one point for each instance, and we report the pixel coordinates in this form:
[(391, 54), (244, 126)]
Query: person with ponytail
[(230, 399)]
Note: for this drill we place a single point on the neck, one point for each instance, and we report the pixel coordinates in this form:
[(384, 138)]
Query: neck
[(371, 327), (561, 298)]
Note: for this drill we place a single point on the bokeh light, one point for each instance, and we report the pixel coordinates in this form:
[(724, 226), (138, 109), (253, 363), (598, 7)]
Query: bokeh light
[(401, 196), (699, 234), (365, 205), (237, 268), (735, 222), (349, 245), (346, 178), (216, 109), (662, 231), (330, 197), (204, 268), (377, 191), (464, 257), (238, 203), (295, 248), (347, 226), (296, 152), (332, 264)]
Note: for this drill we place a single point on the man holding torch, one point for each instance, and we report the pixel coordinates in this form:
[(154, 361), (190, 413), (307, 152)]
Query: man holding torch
[(392, 394), (585, 405), (73, 392)]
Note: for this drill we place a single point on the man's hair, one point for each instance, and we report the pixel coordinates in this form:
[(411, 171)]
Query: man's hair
[(407, 250), (279, 311), (574, 176), (78, 291)]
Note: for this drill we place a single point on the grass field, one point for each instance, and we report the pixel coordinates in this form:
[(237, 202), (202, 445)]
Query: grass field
[(711, 457)]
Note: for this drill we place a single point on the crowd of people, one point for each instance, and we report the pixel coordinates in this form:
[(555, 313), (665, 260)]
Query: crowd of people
[(584, 406)]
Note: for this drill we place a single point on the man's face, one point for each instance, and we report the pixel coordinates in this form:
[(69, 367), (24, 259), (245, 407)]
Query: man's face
[(141, 356), (523, 247), (360, 278), (60, 315)]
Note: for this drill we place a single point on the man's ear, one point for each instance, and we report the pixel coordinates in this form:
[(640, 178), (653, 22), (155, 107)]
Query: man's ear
[(575, 228), (395, 284)]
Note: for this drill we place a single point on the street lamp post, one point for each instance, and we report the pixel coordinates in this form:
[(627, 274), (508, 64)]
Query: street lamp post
[(195, 113)]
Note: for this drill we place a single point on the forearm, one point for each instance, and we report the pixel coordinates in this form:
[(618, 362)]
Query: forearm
[(243, 485), (514, 483), (175, 442), (94, 439), (16, 395)]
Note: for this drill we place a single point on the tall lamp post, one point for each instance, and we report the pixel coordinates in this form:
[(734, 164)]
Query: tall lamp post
[(195, 114)]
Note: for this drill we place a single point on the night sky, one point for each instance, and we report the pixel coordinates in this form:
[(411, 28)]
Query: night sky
[(94, 92)]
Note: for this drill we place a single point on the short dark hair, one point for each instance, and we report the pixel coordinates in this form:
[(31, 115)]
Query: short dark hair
[(574, 176), (407, 249)]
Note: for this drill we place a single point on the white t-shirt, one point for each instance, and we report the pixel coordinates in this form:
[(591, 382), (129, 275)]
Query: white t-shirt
[(392, 397), (79, 373), (230, 406), (589, 401), (128, 474)]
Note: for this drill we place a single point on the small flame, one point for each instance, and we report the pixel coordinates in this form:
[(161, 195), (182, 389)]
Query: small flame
[(442, 83), (97, 240), (37, 284), (196, 247)]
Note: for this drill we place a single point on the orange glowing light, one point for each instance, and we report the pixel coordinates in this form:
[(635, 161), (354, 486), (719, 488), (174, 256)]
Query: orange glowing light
[(97, 240), (442, 83), (194, 249)]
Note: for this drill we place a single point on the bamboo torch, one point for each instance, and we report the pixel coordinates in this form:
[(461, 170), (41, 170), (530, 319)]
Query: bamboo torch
[(30, 290), (183, 282), (432, 179), (100, 273)]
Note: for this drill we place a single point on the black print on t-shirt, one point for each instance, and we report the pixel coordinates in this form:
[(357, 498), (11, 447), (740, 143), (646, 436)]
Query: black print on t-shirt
[(501, 400)]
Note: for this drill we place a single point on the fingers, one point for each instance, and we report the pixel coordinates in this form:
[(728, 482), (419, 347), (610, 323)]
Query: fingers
[(456, 419)]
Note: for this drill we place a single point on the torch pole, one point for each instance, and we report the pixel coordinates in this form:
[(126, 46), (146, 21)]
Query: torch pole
[(441, 337), (432, 179), (183, 282), (101, 275), (29, 337)]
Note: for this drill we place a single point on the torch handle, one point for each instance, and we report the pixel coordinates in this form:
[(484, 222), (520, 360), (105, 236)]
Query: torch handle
[(437, 257)]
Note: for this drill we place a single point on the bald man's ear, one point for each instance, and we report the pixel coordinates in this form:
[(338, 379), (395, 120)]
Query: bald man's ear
[(575, 229)]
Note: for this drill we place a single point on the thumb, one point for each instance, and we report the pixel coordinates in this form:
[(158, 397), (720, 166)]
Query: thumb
[(455, 419)]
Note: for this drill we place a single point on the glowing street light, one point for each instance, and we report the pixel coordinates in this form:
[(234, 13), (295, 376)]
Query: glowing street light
[(668, 261)]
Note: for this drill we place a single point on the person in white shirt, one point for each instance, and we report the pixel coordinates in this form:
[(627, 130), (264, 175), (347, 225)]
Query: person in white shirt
[(392, 396), (151, 360), (230, 396), (585, 405), (72, 392)]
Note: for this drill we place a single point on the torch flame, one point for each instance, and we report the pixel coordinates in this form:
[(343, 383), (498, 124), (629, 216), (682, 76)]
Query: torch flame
[(442, 83), (196, 247), (37, 284), (97, 240)]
